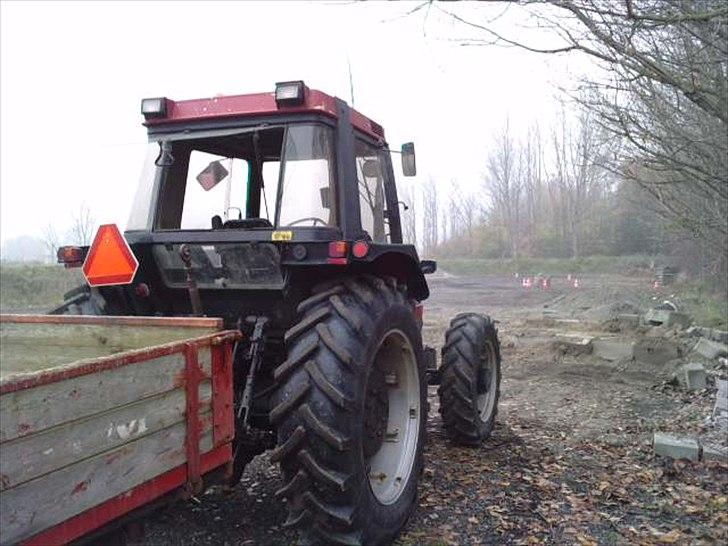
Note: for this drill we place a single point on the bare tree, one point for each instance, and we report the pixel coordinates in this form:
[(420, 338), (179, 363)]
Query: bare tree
[(82, 226), (663, 94), (51, 241), (430, 217), (409, 217), (532, 171), (503, 184), (464, 214), (579, 156)]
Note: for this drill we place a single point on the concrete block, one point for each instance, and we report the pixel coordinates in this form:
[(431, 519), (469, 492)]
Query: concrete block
[(567, 321), (710, 349), (628, 320), (713, 334), (657, 316), (573, 345), (655, 351), (693, 376), (721, 397), (667, 317), (676, 447), (693, 331), (613, 349), (722, 389), (715, 453)]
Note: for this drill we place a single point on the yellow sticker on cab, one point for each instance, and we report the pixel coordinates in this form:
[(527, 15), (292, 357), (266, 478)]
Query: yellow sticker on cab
[(281, 236)]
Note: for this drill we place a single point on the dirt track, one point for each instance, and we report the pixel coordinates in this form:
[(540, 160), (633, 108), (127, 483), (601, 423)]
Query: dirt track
[(569, 461)]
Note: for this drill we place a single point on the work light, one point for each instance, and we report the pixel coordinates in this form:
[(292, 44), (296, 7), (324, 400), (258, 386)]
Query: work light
[(290, 93), (154, 108)]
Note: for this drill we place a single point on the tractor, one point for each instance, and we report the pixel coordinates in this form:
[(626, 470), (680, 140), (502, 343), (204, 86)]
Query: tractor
[(278, 212)]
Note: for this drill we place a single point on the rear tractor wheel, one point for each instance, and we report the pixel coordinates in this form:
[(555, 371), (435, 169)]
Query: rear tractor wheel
[(350, 412), (470, 381)]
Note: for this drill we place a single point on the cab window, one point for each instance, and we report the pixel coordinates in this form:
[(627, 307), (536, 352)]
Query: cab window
[(227, 198), (372, 202)]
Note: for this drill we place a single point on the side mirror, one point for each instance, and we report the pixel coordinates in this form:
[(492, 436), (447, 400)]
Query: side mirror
[(325, 193), (212, 175), (428, 266), (409, 167), (370, 168)]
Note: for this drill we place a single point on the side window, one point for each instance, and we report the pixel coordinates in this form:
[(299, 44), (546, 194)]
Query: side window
[(370, 176), (307, 178), (226, 199), (271, 170)]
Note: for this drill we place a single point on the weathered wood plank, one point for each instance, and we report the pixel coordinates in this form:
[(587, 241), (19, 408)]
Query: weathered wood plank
[(181, 322), (26, 458), (32, 410), (30, 347), (46, 501)]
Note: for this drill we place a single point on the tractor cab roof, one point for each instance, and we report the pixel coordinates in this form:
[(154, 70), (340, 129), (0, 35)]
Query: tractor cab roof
[(163, 111)]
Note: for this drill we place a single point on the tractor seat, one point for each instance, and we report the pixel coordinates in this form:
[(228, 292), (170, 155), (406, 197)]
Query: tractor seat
[(245, 223)]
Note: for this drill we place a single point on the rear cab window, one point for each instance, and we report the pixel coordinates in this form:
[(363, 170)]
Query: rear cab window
[(226, 199)]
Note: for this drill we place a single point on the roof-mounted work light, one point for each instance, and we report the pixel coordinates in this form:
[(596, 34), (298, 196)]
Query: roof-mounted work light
[(154, 108), (290, 93)]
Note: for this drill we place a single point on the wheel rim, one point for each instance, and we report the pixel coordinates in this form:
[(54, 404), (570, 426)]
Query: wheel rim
[(392, 459), (486, 399)]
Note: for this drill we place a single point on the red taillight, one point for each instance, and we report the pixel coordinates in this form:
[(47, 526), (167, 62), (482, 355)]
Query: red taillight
[(337, 253), (338, 249), (70, 256), (360, 249)]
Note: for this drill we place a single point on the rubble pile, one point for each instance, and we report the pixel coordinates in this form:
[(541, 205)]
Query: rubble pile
[(664, 341)]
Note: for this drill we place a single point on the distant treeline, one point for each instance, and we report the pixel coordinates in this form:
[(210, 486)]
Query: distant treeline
[(640, 167)]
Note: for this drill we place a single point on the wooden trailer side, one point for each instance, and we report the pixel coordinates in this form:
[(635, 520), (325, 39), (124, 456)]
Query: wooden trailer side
[(75, 439)]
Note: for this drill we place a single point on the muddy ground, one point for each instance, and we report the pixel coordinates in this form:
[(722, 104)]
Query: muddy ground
[(569, 462)]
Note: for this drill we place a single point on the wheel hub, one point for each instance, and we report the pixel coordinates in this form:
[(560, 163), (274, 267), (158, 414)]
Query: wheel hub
[(487, 382), (376, 412), (392, 417)]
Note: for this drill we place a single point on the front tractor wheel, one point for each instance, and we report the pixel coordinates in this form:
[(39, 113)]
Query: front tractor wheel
[(350, 412), (471, 374)]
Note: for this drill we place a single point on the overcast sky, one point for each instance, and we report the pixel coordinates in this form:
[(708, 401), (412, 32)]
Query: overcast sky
[(72, 76)]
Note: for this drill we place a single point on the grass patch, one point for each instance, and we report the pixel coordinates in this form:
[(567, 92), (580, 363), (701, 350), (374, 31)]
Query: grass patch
[(703, 301), (548, 266), (35, 287)]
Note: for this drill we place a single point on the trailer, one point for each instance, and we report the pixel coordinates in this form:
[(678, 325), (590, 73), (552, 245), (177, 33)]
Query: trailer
[(101, 416)]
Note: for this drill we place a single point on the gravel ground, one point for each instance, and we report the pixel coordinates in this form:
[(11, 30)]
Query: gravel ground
[(569, 461)]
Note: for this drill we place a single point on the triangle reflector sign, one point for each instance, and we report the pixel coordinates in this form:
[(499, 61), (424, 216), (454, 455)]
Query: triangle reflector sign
[(110, 260)]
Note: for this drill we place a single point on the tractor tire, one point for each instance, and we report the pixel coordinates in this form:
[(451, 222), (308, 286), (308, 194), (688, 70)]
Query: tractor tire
[(471, 375), (82, 300), (350, 412)]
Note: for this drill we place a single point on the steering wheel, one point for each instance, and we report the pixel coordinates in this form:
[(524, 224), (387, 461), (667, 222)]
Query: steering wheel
[(313, 219)]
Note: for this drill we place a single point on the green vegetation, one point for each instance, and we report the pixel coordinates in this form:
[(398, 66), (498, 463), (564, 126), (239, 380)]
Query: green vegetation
[(35, 287), (629, 265), (701, 300)]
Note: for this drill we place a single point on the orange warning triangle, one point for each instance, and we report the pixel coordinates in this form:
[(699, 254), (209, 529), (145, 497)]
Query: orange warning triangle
[(110, 260)]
